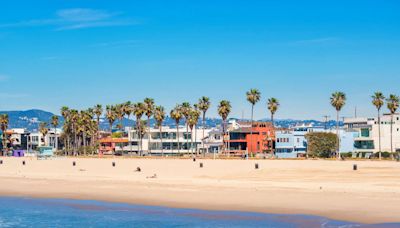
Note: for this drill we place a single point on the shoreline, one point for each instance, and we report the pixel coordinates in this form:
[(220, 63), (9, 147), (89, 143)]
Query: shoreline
[(321, 188)]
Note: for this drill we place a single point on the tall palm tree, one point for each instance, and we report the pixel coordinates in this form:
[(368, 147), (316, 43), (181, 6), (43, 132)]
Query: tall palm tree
[(204, 104), (193, 119), (253, 96), (44, 130), (74, 117), (128, 109), (65, 113), (54, 123), (4, 121), (111, 116), (273, 105), (120, 113), (176, 114), (224, 108), (138, 111), (159, 116), (392, 105), (98, 111), (186, 109), (149, 110), (378, 100), (338, 101)]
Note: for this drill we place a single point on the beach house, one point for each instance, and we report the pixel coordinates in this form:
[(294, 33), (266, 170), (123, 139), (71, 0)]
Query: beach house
[(367, 130), (253, 139), (155, 143)]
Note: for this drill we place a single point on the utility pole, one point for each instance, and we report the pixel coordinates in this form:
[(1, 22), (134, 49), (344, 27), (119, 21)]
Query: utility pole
[(355, 112)]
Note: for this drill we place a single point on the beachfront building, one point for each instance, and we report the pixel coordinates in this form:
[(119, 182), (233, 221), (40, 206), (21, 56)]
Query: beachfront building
[(18, 138), (52, 139), (213, 142), (150, 143), (252, 140), (112, 146), (367, 129), (292, 143)]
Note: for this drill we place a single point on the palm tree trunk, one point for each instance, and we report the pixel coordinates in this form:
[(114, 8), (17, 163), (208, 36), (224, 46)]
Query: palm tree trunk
[(177, 136), (187, 139), (273, 125), (161, 138), (379, 130), (391, 137), (251, 132), (191, 142), (55, 137), (337, 135), (203, 126), (195, 139), (149, 134)]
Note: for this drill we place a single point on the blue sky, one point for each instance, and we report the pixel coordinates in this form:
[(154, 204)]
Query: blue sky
[(79, 53)]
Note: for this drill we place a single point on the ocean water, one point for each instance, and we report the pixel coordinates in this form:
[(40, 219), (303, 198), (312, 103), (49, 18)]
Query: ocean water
[(28, 212)]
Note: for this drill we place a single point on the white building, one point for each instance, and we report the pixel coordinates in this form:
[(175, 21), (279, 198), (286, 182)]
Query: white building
[(151, 142), (368, 133), (36, 139)]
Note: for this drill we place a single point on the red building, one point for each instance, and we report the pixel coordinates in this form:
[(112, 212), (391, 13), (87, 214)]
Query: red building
[(110, 145), (257, 139)]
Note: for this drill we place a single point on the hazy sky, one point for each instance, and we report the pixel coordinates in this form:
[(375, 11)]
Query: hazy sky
[(79, 53)]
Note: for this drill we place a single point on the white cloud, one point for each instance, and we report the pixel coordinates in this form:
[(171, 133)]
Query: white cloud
[(80, 14), (78, 18)]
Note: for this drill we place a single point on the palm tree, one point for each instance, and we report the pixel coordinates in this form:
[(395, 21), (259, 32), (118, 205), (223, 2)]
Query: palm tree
[(4, 121), (392, 105), (149, 110), (273, 105), (378, 100), (176, 114), (204, 104), (128, 109), (138, 111), (54, 123), (253, 96), (98, 111), (111, 116), (159, 116), (74, 117), (65, 113), (185, 109), (120, 113), (193, 119), (43, 130), (224, 108), (338, 100)]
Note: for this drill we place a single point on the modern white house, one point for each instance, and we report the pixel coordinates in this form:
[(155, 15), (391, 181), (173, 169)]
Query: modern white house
[(52, 139), (151, 142), (368, 133)]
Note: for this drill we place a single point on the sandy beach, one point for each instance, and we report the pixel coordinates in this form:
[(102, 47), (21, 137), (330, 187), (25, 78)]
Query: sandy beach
[(316, 187)]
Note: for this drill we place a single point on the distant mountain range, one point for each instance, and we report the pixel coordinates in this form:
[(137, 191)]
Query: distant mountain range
[(30, 120)]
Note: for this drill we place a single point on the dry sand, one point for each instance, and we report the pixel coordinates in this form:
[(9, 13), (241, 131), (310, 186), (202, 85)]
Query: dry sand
[(325, 188)]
